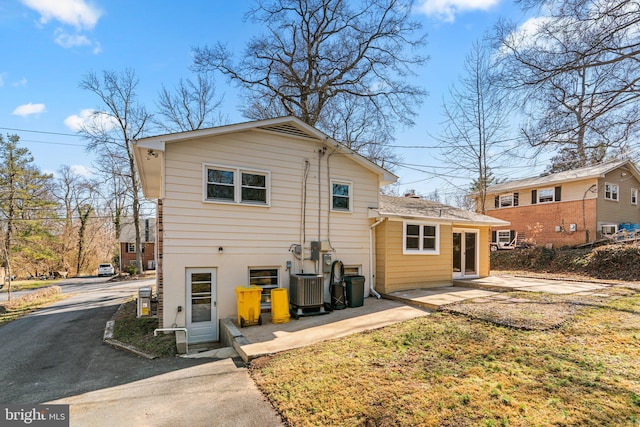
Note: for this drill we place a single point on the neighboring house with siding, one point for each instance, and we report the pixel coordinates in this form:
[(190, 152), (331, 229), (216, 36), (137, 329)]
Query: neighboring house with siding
[(127, 244), (424, 244), (244, 204), (567, 208)]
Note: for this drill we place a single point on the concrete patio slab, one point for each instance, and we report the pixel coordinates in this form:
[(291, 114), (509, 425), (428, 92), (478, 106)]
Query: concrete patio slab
[(512, 283), (268, 338), (434, 298)]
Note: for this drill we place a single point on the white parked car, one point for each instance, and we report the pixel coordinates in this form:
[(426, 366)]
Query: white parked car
[(106, 270)]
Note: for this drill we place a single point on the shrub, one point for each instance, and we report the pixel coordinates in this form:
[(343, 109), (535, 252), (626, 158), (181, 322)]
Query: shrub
[(131, 269)]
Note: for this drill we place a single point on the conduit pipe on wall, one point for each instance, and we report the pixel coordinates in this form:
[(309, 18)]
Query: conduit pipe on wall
[(371, 285)]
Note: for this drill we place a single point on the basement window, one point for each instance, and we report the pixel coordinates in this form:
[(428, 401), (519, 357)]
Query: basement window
[(267, 279)]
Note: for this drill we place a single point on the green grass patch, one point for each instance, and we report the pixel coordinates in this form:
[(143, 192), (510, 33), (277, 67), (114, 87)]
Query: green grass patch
[(449, 369), (21, 285), (138, 332), (25, 304)]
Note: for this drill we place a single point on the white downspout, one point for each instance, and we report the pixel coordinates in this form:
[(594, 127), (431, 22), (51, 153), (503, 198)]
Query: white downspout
[(371, 285)]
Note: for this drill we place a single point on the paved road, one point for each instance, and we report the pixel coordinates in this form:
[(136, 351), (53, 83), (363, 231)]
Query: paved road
[(57, 354)]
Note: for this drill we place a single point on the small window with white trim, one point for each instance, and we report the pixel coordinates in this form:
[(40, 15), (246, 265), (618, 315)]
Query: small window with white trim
[(421, 238), (634, 196), (545, 195), (504, 237), (506, 200), (608, 229), (131, 248), (611, 191), (341, 196)]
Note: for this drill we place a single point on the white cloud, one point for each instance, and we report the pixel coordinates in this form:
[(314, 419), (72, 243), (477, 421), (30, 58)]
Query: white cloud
[(29, 109), (21, 82), (2, 77), (97, 48), (89, 118), (76, 122), (529, 34), (447, 10), (82, 170), (78, 13), (71, 40)]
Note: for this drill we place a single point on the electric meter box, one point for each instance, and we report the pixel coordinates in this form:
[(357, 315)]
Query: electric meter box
[(144, 302)]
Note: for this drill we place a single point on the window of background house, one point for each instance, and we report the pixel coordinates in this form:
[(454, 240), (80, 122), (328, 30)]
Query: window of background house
[(504, 236), (545, 195), (421, 238), (634, 196), (340, 196), (609, 229), (507, 200), (610, 191), (267, 279), (131, 248)]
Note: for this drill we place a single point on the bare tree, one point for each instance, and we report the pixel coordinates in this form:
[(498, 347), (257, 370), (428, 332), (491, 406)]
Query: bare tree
[(191, 106), (475, 135), (321, 58), (577, 69), (78, 196), (114, 128)]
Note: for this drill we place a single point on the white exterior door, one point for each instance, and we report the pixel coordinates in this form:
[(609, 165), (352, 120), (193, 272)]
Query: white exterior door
[(202, 317), (465, 253)]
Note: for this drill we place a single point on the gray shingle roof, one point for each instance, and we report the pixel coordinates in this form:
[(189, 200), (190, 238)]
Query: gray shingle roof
[(560, 177), (426, 209)]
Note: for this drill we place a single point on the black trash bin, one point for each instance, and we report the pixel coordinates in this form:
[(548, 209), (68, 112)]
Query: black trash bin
[(355, 290)]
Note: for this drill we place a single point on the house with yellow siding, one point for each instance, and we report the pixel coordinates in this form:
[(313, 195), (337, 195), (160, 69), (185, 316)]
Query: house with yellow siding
[(425, 244)]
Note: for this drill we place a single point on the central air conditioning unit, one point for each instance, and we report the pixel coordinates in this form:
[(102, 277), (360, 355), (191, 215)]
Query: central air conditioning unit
[(306, 291)]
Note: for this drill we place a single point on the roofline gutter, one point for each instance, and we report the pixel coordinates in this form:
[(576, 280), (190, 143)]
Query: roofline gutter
[(399, 217)]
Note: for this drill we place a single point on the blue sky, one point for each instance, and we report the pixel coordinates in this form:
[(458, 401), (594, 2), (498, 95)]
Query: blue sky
[(49, 45)]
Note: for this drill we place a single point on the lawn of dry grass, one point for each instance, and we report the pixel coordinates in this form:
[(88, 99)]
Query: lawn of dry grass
[(450, 369)]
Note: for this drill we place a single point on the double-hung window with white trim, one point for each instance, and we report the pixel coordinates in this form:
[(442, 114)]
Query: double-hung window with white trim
[(611, 191), (236, 185), (634, 196), (506, 200), (341, 200), (546, 195), (421, 238)]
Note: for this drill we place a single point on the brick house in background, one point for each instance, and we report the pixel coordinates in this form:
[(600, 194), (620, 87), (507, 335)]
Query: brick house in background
[(567, 208), (128, 244)]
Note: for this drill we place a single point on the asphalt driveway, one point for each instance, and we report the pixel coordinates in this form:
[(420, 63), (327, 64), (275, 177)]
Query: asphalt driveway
[(57, 354)]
